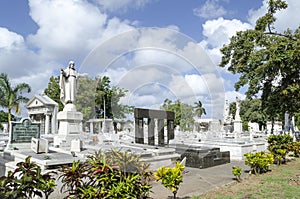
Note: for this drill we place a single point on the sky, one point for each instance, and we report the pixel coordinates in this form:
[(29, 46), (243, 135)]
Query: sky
[(156, 49)]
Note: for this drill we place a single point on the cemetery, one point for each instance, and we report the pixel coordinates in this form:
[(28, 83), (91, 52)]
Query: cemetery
[(55, 139), (58, 151)]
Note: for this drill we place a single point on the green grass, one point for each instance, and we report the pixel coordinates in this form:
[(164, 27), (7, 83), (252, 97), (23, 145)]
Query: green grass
[(281, 182)]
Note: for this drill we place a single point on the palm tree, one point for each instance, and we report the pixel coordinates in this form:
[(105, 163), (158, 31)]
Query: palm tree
[(11, 97), (199, 110)]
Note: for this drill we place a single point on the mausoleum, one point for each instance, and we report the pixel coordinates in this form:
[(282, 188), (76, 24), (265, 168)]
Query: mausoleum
[(43, 109)]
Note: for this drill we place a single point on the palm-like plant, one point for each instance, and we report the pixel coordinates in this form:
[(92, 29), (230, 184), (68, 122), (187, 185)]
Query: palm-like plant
[(11, 97), (199, 110)]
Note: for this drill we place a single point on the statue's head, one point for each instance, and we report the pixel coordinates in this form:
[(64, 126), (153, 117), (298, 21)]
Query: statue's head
[(71, 64)]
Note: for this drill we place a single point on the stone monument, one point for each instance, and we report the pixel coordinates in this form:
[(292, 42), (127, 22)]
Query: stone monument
[(21, 132), (70, 120), (237, 123)]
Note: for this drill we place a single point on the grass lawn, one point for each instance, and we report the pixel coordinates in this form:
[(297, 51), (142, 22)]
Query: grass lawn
[(281, 182)]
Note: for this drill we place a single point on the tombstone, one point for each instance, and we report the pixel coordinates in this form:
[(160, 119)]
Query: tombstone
[(39, 145), (21, 133), (76, 145)]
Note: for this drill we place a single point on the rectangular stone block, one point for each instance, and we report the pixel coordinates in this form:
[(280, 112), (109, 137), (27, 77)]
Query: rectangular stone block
[(76, 145), (39, 145)]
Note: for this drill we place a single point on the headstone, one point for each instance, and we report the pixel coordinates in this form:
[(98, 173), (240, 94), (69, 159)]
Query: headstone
[(76, 145), (21, 133), (39, 145)]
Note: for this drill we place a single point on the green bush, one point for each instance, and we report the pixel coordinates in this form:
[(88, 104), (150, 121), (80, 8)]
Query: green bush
[(237, 172), (170, 177), (113, 174), (279, 146), (259, 162), (27, 181), (295, 148)]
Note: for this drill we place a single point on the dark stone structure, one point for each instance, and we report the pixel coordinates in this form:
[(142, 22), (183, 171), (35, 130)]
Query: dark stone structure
[(151, 115), (202, 157)]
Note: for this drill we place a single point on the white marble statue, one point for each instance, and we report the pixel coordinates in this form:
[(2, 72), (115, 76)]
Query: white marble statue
[(237, 112), (68, 84)]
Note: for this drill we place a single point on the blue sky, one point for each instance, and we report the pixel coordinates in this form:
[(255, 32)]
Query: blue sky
[(156, 49)]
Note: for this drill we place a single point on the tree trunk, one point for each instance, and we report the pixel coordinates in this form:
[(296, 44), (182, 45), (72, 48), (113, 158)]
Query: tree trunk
[(8, 118), (174, 194)]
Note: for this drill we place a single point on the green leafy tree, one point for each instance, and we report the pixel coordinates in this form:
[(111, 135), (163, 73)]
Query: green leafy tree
[(90, 98), (85, 101), (53, 91), (251, 111), (170, 178), (12, 96), (199, 110), (268, 62), (107, 100), (237, 172), (183, 113)]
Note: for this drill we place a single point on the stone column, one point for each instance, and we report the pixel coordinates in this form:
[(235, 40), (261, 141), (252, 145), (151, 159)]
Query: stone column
[(47, 124), (139, 131), (151, 138), (91, 127), (161, 135), (170, 129)]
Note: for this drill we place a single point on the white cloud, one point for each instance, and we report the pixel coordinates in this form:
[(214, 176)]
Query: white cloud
[(210, 9), (287, 18), (219, 31), (10, 39), (82, 28)]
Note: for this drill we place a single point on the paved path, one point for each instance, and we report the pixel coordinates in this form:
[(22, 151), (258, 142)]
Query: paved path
[(199, 181)]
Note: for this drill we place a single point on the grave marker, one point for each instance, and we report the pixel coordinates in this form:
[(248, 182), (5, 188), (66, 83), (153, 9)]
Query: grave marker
[(21, 132)]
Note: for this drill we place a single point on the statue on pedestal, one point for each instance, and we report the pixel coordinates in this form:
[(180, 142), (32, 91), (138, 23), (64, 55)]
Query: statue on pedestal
[(237, 112), (70, 120), (68, 84)]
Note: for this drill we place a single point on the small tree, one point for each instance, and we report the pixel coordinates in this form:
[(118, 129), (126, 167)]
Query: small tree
[(12, 96), (237, 172), (170, 177)]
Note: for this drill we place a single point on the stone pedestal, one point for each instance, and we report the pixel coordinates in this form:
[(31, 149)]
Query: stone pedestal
[(237, 126), (70, 121)]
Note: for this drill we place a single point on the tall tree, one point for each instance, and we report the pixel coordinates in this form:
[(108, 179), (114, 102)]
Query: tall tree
[(107, 100), (251, 111), (53, 91), (268, 62), (85, 102), (12, 96), (91, 95), (199, 110), (183, 113)]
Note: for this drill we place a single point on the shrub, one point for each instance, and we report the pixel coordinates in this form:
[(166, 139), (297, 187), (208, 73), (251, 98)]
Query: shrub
[(170, 177), (113, 174), (27, 181), (237, 172), (259, 162), (279, 146), (295, 148)]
